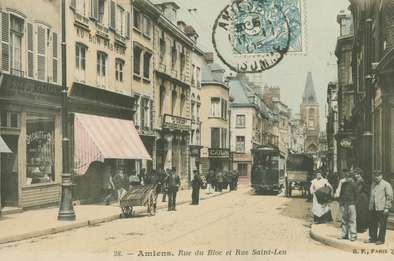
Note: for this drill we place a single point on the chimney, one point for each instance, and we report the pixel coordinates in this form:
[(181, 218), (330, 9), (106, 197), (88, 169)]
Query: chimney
[(209, 58)]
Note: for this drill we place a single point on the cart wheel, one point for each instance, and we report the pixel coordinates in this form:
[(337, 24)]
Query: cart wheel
[(128, 211)]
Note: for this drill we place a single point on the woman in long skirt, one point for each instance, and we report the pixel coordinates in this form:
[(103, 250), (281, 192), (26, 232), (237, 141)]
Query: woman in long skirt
[(321, 212)]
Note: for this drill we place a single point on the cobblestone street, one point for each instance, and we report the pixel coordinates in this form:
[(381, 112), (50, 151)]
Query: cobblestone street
[(237, 220)]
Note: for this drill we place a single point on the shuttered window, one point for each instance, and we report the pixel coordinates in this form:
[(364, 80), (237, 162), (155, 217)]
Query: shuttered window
[(41, 53), (5, 39), (30, 51), (54, 57)]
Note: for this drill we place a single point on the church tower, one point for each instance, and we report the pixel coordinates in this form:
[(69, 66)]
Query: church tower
[(309, 110)]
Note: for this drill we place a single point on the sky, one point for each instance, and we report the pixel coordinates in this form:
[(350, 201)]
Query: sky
[(290, 74)]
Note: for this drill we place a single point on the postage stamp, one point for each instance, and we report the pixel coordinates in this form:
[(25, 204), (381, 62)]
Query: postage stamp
[(255, 35)]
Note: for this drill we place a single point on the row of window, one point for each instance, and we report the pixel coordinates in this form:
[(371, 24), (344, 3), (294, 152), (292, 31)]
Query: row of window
[(142, 23), (102, 61), (146, 58), (143, 115), (219, 108), (196, 76), (105, 12), (174, 53), (28, 49)]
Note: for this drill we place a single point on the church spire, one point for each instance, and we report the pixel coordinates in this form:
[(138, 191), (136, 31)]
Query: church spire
[(309, 96)]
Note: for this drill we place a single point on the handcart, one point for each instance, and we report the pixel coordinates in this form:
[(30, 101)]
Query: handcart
[(139, 196)]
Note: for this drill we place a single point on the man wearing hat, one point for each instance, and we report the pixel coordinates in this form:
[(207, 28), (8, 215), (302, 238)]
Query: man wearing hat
[(173, 183), (380, 201), (347, 193)]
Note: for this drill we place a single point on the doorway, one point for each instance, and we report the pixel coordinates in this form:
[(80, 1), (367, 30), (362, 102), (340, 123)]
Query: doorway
[(9, 172)]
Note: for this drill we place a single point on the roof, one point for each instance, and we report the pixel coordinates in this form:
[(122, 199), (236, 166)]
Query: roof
[(309, 96), (237, 91), (207, 70)]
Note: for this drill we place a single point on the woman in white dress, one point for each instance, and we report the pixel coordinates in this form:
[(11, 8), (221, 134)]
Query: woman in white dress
[(321, 212)]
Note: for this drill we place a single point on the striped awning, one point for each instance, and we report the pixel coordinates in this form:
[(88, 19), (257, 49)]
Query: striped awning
[(3, 146), (97, 138)]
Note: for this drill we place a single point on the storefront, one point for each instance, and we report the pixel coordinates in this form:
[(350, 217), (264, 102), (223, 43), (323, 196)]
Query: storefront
[(103, 146), (242, 162), (172, 146), (216, 159), (31, 127)]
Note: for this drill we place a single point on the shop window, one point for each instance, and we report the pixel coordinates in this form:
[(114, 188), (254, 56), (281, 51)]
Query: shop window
[(240, 144), (101, 69), (137, 60), (147, 60), (240, 121), (80, 62), (215, 107), (243, 169), (119, 64), (40, 148)]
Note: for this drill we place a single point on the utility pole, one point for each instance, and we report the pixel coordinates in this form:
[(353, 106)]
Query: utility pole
[(66, 210)]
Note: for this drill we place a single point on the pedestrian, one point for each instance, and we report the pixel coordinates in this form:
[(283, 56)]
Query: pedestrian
[(362, 201), (108, 185), (380, 203), (228, 178), (142, 176), (210, 180), (120, 183), (321, 211), (347, 194), (163, 181), (235, 179), (196, 185), (219, 181), (173, 183)]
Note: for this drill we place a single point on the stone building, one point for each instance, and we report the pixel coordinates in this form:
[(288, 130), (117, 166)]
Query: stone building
[(172, 85), (215, 120), (346, 136), (248, 116), (145, 16), (309, 110)]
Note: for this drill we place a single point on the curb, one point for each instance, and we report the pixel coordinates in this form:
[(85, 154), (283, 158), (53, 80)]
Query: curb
[(81, 224), (342, 245)]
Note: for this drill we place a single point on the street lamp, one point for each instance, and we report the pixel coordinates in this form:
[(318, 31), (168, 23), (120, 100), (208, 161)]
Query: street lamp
[(66, 210)]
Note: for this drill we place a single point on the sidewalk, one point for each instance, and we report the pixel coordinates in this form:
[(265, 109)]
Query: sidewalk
[(41, 222), (329, 233)]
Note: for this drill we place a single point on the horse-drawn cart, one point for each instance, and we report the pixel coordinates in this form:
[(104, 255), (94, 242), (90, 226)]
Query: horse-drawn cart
[(140, 195)]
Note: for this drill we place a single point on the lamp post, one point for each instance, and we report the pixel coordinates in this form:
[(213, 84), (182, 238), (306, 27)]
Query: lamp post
[(66, 210)]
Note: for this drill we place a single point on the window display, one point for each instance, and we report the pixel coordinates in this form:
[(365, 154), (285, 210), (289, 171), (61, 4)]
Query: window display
[(40, 142)]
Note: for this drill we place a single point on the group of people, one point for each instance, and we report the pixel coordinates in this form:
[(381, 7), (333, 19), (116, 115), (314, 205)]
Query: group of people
[(361, 208), (218, 180), (168, 183)]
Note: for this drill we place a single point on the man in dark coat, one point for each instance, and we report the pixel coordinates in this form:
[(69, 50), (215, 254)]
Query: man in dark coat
[(362, 201), (347, 191), (196, 185), (219, 180), (173, 183), (163, 181)]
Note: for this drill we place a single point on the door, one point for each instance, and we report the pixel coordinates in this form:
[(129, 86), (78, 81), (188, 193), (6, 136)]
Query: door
[(9, 172)]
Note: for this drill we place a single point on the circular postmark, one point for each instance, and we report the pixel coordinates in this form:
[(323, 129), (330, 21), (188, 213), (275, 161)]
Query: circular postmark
[(251, 35)]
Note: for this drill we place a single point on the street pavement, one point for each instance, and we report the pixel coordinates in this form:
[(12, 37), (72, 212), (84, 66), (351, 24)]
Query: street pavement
[(237, 225)]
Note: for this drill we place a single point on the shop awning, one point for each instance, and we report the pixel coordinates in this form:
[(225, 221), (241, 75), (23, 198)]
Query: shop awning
[(3, 146), (97, 138)]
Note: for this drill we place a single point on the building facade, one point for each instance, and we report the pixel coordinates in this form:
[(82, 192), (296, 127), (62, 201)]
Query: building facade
[(215, 120), (172, 84), (30, 107)]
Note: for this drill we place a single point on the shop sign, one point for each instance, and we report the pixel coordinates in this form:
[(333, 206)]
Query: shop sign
[(219, 153), (177, 123), (346, 143)]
